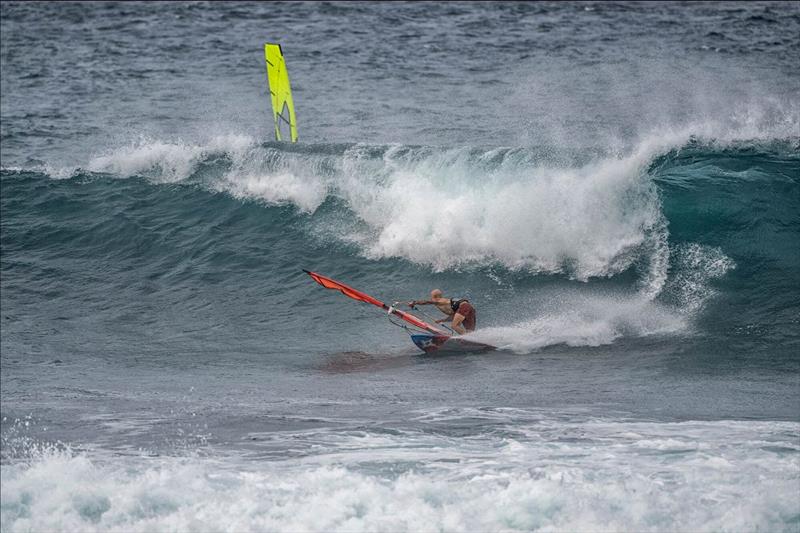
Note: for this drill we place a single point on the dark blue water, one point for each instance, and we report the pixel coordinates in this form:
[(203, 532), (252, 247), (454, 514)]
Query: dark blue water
[(615, 187)]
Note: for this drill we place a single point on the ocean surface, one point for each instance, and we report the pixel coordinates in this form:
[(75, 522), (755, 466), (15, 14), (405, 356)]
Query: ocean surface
[(614, 186)]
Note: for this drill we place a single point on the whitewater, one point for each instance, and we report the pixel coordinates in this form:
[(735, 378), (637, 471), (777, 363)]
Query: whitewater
[(615, 187)]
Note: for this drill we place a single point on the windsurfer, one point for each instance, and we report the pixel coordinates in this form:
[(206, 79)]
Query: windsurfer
[(459, 311)]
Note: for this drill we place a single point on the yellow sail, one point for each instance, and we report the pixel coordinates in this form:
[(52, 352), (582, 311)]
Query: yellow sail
[(281, 92)]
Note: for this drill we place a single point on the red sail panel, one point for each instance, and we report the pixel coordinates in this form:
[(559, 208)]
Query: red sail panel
[(350, 292)]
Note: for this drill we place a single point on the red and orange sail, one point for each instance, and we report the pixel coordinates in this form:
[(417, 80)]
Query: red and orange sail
[(350, 292)]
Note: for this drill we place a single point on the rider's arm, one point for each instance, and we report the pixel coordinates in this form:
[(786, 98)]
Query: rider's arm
[(420, 302), (458, 318)]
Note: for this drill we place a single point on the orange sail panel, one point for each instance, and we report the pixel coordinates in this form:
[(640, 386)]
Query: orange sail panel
[(350, 292)]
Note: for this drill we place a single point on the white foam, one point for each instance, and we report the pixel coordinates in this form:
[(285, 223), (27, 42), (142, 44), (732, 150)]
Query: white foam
[(305, 193), (166, 161), (582, 475), (448, 210)]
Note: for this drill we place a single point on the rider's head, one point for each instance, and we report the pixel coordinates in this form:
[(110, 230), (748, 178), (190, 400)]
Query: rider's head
[(436, 293)]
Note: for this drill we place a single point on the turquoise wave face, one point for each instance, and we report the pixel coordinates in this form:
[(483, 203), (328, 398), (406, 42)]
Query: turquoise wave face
[(743, 201)]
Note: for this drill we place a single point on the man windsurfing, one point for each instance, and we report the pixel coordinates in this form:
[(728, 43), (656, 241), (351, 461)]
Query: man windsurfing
[(459, 311)]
